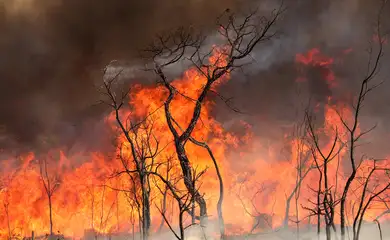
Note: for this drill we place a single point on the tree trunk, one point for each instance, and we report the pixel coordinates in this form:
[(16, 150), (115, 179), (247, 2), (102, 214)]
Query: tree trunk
[(50, 216), (343, 202), (164, 209), (287, 212), (187, 174), (328, 232), (146, 219)]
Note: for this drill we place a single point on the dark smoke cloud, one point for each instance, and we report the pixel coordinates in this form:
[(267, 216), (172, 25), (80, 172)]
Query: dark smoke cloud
[(268, 94), (52, 53)]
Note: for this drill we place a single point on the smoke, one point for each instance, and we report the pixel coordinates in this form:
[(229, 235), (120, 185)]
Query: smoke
[(332, 27), (53, 53), (369, 230), (267, 92)]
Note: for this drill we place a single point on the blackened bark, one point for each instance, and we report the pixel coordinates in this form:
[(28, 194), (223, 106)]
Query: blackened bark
[(187, 175), (146, 219), (50, 216)]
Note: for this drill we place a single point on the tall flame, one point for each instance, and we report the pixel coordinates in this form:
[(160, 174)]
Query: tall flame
[(256, 182)]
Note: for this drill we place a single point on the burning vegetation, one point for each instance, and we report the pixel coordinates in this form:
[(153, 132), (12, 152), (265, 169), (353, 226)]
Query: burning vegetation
[(176, 169)]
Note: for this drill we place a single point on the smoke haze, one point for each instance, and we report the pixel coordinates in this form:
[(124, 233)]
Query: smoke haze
[(52, 53)]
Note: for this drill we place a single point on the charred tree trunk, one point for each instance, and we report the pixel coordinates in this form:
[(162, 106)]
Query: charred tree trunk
[(187, 175), (50, 215), (219, 206), (221, 186), (288, 201), (146, 219), (180, 141), (319, 207), (240, 42), (164, 207), (328, 232), (50, 185)]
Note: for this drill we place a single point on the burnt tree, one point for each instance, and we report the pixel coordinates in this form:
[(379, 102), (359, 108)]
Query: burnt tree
[(137, 153), (50, 184), (366, 87), (183, 198), (366, 182), (240, 36)]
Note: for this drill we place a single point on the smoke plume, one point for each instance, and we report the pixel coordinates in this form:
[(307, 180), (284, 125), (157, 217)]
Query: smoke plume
[(52, 54)]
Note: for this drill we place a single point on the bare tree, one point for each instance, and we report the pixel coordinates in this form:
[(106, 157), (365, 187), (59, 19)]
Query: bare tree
[(164, 192), (240, 37), (366, 87), (50, 183), (183, 199), (91, 191), (324, 191), (327, 196), (370, 193), (137, 153), (105, 214), (132, 218), (261, 220), (303, 167)]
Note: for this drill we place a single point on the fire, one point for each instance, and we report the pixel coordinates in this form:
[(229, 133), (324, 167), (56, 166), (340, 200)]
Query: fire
[(315, 58), (257, 182)]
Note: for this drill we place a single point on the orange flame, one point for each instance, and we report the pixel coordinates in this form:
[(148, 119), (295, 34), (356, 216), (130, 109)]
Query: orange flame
[(256, 181)]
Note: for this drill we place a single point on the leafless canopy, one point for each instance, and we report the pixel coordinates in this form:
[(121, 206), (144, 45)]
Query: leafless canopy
[(330, 202), (239, 35)]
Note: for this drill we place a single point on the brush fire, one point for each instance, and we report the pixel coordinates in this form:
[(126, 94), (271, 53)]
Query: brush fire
[(174, 171)]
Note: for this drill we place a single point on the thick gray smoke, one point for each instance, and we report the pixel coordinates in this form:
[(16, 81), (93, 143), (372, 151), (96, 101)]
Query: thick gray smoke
[(369, 231), (268, 93), (52, 53)]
